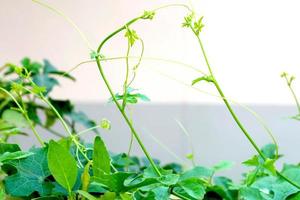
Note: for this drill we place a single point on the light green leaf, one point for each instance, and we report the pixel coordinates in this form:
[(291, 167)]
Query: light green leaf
[(101, 159), (191, 188), (62, 165), (250, 194), (15, 118), (14, 155), (86, 195), (223, 165)]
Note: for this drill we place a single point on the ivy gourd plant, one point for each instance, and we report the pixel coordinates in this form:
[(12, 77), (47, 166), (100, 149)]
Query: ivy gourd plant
[(69, 168)]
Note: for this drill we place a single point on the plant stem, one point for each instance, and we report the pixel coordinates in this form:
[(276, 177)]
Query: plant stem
[(289, 83), (236, 119), (126, 77), (137, 137), (23, 111), (52, 131)]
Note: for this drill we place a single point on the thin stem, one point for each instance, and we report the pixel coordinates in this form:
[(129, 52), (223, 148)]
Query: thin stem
[(25, 116), (136, 57), (68, 19), (139, 62), (51, 131), (88, 130), (295, 98), (289, 83), (173, 5), (64, 125), (126, 76), (157, 141), (131, 135), (251, 111), (189, 139), (137, 137), (236, 118)]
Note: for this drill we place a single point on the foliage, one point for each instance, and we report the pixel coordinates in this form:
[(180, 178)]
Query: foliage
[(45, 77)]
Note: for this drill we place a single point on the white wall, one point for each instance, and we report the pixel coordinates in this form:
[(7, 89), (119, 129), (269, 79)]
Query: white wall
[(249, 43)]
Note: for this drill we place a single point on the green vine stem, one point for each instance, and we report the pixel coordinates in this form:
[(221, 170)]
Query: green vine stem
[(256, 115), (289, 81), (234, 116), (24, 113), (132, 129)]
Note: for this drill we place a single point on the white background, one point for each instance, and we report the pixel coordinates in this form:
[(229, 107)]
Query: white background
[(249, 43)]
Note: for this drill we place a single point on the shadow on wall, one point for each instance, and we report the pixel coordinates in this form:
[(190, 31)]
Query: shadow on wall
[(213, 132)]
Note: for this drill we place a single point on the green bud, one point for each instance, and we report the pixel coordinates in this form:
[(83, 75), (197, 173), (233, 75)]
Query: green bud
[(105, 124)]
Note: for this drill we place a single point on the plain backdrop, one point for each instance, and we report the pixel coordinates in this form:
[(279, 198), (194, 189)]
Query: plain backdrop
[(249, 43)]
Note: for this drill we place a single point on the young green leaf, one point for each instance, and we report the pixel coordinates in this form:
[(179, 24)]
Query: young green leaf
[(101, 159), (62, 165), (223, 165), (85, 177), (148, 14), (131, 36)]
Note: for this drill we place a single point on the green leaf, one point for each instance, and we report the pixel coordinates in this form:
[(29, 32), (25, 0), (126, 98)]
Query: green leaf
[(82, 119), (223, 165), (108, 196), (114, 182), (50, 118), (254, 161), (30, 176), (8, 129), (50, 69), (101, 159), (131, 36), (15, 118), (153, 193), (188, 20), (269, 165), (14, 156), (198, 26), (191, 188), (5, 147), (274, 188), (32, 67), (43, 80), (197, 172), (86, 195), (62, 106), (269, 151), (32, 113), (148, 14), (250, 194), (62, 165)]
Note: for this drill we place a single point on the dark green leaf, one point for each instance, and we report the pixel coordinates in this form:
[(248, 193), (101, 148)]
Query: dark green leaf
[(31, 175)]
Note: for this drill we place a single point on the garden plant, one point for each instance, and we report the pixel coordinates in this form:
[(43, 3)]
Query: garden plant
[(68, 167)]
